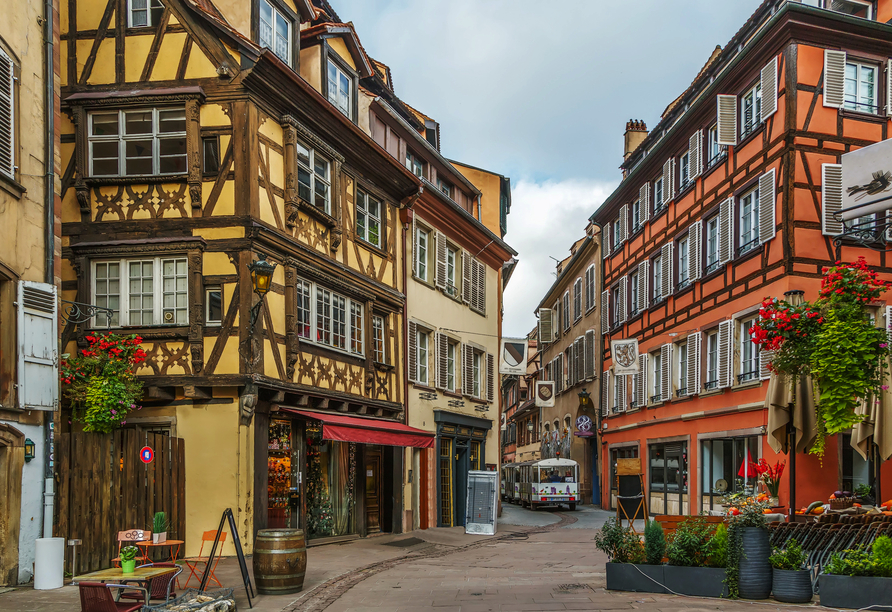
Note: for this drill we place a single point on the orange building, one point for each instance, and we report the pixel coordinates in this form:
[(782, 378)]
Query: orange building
[(726, 202)]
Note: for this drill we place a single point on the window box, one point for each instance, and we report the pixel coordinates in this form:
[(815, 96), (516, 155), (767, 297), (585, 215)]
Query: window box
[(635, 578), (856, 592)]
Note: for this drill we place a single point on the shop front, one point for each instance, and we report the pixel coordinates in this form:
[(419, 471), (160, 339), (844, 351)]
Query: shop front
[(336, 476), (461, 447)]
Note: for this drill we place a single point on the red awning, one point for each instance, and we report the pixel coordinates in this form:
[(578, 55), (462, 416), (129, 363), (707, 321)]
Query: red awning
[(367, 431)]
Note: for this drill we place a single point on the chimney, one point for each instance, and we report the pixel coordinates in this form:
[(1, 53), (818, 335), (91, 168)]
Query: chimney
[(636, 132)]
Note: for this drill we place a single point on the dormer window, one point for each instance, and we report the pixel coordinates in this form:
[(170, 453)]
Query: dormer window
[(275, 31), (445, 187), (145, 13), (340, 89), (414, 164), (856, 8)]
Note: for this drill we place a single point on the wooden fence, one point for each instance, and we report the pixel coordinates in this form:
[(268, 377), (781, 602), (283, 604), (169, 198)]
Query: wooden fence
[(103, 487)]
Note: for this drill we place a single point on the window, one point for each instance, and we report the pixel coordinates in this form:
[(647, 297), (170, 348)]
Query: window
[(378, 338), (749, 221), (415, 164), (618, 393), (340, 89), (656, 376), (368, 218), (422, 239), (331, 319), (210, 148), (856, 8), (213, 305), (715, 150), (566, 315), (861, 91), (728, 467), (7, 115), (451, 350), (445, 187), (577, 299), (451, 261), (304, 313), (712, 244), (712, 361), (749, 353), (684, 171), (681, 384), (356, 340), (633, 293), (854, 469), (615, 305), (138, 143), (751, 111), (683, 255), (616, 238), (155, 291), (275, 31), (658, 194), (590, 288), (313, 178), (668, 478), (475, 373), (636, 216), (145, 13), (657, 265), (423, 355)]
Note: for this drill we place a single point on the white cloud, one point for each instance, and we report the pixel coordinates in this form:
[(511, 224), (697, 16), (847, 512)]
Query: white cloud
[(546, 218)]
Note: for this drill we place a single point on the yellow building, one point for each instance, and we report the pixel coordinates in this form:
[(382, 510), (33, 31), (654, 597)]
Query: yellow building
[(29, 270)]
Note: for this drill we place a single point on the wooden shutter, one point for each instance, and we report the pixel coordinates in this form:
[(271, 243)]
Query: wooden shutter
[(695, 250), (831, 198), (667, 180), (767, 222), (570, 354), (620, 391), (475, 285), (640, 381), (580, 359), (666, 288), (665, 372), (605, 392), (768, 80), (692, 381), (642, 285), (644, 197), (605, 312), (559, 373), (695, 157), (605, 242), (467, 371), (727, 119), (481, 287), (7, 117), (765, 358), (490, 377), (590, 288), (621, 307), (38, 348), (590, 354), (726, 231), (726, 352), (413, 352), (442, 360), (834, 78), (466, 285), (441, 260), (623, 223), (889, 87), (546, 325)]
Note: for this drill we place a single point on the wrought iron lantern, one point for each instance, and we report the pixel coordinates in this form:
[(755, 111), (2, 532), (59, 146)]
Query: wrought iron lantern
[(29, 449), (261, 275)]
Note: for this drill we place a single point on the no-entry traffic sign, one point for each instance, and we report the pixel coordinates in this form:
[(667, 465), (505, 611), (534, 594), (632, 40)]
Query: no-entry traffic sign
[(146, 454)]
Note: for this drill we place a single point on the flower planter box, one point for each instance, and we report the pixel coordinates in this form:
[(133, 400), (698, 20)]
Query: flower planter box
[(635, 578), (696, 581), (856, 592)]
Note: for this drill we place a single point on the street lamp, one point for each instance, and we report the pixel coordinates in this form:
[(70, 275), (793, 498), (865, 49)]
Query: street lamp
[(585, 400), (530, 426), (29, 449), (261, 279)]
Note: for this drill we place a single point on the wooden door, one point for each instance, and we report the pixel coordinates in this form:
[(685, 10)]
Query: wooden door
[(373, 490), (423, 489)]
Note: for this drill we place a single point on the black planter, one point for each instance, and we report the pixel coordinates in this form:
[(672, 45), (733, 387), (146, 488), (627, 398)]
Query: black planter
[(696, 581), (792, 586), (856, 592), (754, 579), (635, 578)]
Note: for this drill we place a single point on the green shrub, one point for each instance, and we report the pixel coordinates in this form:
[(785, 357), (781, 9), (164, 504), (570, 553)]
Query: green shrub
[(859, 562), (718, 547), (619, 543), (882, 556), (792, 557), (689, 545), (654, 543)]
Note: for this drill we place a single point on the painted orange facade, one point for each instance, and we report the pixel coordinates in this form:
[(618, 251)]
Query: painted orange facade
[(706, 231)]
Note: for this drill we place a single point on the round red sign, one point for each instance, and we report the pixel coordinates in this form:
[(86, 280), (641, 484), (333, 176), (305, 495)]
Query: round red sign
[(146, 454)]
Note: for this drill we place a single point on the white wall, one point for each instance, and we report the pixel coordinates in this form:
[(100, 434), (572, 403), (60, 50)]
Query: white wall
[(32, 501)]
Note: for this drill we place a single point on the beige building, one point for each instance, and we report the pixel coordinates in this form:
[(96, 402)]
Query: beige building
[(569, 314), (523, 418), (29, 257)]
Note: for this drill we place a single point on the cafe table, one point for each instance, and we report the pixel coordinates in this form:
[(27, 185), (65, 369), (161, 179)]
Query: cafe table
[(116, 575), (174, 546)]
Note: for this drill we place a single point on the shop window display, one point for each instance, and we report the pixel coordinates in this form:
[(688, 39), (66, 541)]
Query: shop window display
[(279, 485), (330, 485)]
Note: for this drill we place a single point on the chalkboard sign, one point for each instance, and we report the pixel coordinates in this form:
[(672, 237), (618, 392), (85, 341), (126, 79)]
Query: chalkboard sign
[(246, 578)]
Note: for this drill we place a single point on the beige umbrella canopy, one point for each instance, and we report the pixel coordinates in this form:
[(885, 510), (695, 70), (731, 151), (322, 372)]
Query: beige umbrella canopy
[(876, 426), (786, 405)]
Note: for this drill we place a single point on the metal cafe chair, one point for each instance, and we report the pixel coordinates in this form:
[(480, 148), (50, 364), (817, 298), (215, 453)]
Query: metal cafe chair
[(159, 587), (193, 563), (97, 597)]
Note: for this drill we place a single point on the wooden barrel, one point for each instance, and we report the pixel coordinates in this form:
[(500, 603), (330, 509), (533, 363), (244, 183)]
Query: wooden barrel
[(280, 561)]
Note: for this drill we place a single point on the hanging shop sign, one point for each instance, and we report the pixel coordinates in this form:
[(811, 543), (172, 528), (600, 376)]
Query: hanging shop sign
[(625, 356), (867, 181), (545, 393), (513, 357)]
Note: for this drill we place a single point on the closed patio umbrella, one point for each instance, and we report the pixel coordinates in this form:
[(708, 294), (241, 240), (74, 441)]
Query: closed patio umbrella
[(872, 437)]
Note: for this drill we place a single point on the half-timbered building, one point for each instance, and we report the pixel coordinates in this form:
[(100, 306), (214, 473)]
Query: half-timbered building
[(198, 138), (727, 201)]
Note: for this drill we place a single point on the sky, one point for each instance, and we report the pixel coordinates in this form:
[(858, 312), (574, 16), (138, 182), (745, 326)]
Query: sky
[(541, 92)]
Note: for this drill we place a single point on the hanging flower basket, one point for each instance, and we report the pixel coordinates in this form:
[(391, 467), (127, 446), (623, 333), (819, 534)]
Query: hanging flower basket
[(100, 381)]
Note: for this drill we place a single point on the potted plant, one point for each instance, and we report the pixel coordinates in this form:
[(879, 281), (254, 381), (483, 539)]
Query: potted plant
[(864, 495), (128, 559), (654, 543), (791, 583), (749, 572), (159, 528), (626, 567), (858, 578), (770, 476), (689, 553)]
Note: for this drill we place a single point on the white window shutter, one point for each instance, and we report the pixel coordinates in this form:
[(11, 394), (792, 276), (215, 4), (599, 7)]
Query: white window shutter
[(605, 392), (621, 307), (605, 312), (665, 372), (834, 78), (605, 242), (889, 87), (641, 382), (767, 222), (481, 287), (692, 382), (889, 322), (38, 346), (726, 353), (831, 198), (466, 288), (620, 391), (623, 220), (726, 231), (590, 288), (7, 116), (768, 80), (727, 119), (642, 285), (442, 360), (765, 358), (413, 352), (414, 247), (644, 197), (695, 250), (441, 260), (667, 180), (546, 325), (667, 285), (695, 161), (590, 354), (490, 377)]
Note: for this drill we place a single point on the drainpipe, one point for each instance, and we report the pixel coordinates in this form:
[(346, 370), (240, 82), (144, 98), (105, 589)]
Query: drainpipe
[(49, 230)]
